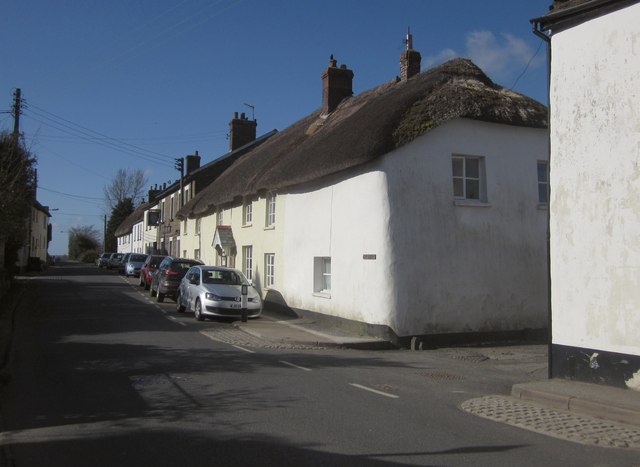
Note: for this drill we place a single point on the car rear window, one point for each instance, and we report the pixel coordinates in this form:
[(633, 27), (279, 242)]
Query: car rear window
[(182, 265), (137, 258)]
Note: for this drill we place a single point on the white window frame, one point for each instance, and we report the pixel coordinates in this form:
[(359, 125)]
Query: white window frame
[(198, 225), (270, 214), (220, 217), (196, 253), (543, 184), (466, 179), (247, 261), (269, 270), (322, 276), (247, 212), (171, 208)]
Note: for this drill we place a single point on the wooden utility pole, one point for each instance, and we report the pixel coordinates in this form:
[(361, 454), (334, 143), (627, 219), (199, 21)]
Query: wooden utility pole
[(17, 109)]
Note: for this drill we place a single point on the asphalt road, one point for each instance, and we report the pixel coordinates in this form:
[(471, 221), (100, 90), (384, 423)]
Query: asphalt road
[(103, 376)]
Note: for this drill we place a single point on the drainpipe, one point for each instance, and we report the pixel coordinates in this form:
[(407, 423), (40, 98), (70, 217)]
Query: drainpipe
[(547, 38)]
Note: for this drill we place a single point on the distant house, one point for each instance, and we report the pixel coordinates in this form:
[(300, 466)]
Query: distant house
[(36, 248), (172, 237), (595, 189), (130, 233), (412, 210)]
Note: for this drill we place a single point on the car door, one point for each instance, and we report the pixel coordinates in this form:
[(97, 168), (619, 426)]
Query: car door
[(194, 287), (186, 288)]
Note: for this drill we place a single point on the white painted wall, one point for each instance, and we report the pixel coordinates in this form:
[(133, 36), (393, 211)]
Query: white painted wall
[(439, 267), (345, 221), (595, 179), (262, 239)]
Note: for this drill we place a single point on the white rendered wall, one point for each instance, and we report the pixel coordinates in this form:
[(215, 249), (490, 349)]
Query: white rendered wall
[(345, 221), (595, 179), (439, 267)]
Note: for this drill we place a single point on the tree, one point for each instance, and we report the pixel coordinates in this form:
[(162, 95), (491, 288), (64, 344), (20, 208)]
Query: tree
[(125, 185), (17, 195), (84, 240), (119, 213)]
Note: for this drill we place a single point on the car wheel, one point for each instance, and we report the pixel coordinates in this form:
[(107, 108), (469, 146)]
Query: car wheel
[(146, 284), (179, 306), (141, 281), (160, 296), (151, 291), (198, 311)]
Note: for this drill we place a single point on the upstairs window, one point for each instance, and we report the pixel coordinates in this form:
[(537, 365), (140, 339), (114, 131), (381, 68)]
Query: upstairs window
[(271, 210), (220, 216), (468, 178), (247, 213)]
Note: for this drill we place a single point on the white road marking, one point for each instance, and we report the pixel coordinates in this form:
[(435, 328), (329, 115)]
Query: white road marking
[(242, 348), (295, 366), (386, 394)]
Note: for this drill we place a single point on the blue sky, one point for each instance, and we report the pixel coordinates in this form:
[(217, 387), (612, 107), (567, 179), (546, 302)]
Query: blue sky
[(134, 84)]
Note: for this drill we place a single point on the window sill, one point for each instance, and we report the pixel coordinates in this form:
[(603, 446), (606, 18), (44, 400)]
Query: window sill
[(471, 203), (270, 227), (322, 294), (247, 225)]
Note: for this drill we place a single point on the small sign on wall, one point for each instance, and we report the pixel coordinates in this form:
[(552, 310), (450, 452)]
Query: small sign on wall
[(369, 256)]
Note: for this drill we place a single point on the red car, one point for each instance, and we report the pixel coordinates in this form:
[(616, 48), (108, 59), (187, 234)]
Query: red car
[(148, 268)]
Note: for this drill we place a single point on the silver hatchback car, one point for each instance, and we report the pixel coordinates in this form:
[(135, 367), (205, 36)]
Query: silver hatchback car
[(211, 291)]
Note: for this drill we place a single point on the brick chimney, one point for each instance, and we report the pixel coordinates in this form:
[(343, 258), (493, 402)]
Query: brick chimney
[(153, 192), (337, 84), (409, 60), (193, 162), (241, 131)]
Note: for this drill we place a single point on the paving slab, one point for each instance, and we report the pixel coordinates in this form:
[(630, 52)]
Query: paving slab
[(605, 402), (303, 331)]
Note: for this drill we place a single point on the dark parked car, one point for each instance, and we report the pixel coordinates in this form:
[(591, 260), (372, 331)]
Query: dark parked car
[(166, 279), (133, 264), (123, 260), (103, 260), (148, 268), (115, 260)]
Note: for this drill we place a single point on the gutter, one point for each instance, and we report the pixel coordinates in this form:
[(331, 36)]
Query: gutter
[(538, 31), (564, 18)]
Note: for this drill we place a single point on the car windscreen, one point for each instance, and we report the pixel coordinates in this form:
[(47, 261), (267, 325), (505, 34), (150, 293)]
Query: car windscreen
[(221, 277)]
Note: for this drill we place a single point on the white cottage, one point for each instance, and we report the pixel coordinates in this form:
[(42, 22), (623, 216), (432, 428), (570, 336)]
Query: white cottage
[(413, 210), (595, 189)]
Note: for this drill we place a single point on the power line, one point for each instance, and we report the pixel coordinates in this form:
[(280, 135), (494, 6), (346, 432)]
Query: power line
[(527, 66), (94, 135), (120, 147)]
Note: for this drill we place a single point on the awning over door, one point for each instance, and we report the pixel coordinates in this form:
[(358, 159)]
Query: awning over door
[(223, 241)]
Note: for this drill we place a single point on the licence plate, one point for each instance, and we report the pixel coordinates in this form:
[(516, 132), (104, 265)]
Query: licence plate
[(235, 305)]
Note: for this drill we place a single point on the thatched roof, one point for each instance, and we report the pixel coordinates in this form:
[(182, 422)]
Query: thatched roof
[(126, 226), (367, 126)]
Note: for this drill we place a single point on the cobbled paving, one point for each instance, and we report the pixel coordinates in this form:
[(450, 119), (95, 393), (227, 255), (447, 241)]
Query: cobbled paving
[(560, 424), (234, 336)]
